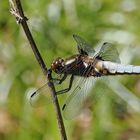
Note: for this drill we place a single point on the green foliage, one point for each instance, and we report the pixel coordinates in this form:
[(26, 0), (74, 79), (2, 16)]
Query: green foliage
[(52, 24)]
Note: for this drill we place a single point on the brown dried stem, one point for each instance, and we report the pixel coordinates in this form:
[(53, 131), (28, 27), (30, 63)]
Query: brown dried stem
[(17, 11)]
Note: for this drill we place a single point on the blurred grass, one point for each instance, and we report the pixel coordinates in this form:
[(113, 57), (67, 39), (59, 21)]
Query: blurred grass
[(52, 24)]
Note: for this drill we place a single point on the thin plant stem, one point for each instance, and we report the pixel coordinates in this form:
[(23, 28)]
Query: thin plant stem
[(17, 11)]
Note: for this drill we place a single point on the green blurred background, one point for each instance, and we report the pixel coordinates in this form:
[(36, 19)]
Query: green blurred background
[(116, 115)]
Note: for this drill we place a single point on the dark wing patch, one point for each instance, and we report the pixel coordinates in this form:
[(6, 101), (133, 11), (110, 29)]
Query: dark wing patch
[(83, 47)]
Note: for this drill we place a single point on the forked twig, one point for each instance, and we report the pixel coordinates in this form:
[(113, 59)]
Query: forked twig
[(17, 11)]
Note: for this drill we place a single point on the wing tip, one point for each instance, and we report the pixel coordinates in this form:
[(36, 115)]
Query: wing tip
[(33, 94), (106, 43), (74, 35), (63, 106)]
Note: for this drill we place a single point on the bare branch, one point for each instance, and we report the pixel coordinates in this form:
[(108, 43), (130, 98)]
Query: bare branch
[(17, 11)]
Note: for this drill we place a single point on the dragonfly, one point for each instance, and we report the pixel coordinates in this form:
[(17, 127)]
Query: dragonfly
[(83, 68)]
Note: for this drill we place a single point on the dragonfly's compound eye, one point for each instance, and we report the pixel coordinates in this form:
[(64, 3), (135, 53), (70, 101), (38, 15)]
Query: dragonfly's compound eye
[(58, 65)]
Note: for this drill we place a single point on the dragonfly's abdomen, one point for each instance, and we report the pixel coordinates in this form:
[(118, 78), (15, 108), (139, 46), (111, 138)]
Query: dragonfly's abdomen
[(110, 68)]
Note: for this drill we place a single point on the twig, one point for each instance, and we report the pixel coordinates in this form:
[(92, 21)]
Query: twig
[(17, 11)]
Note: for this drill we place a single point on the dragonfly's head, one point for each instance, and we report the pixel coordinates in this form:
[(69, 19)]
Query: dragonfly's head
[(58, 65)]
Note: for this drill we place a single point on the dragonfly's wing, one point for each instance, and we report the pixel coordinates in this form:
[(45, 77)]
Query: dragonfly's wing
[(80, 92), (108, 52), (83, 46), (41, 97)]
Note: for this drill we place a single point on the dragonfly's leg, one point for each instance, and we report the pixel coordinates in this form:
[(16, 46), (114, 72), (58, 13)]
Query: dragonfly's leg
[(59, 81), (67, 89)]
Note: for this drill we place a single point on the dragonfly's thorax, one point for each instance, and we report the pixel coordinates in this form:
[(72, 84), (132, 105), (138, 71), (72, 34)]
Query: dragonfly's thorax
[(80, 65), (93, 67), (74, 65)]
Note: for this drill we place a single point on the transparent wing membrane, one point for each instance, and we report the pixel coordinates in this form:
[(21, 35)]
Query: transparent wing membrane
[(41, 97), (108, 52), (79, 93), (83, 46)]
